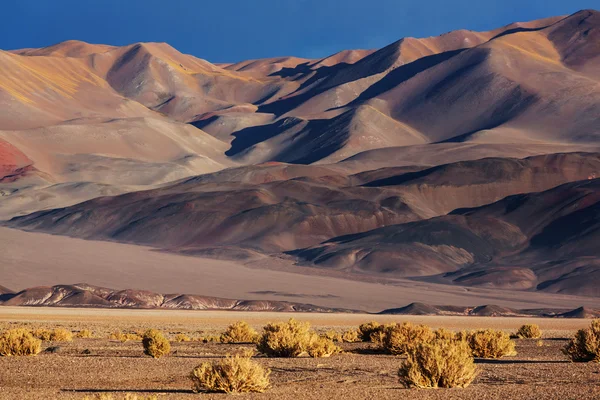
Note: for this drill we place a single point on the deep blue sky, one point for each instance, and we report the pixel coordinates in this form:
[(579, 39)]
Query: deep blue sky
[(235, 30)]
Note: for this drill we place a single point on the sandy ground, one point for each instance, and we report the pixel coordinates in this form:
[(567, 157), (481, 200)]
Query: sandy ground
[(32, 259), (107, 366)]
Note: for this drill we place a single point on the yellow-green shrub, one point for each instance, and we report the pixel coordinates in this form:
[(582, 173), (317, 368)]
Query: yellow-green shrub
[(19, 342), (350, 336), (293, 338), (320, 346), (84, 334), (182, 337), (124, 337), (234, 374), (155, 344), (444, 334), (366, 330), (333, 335), (239, 332), (54, 335), (490, 343), (585, 345), (127, 396), (400, 339), (442, 363), (529, 331)]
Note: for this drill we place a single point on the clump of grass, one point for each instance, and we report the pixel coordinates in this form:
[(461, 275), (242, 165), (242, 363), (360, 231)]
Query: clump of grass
[(84, 334), (490, 343), (440, 364), (350, 336), (127, 396), (239, 332), (284, 339), (182, 337), (320, 346), (155, 344), (19, 342), (234, 374), (585, 345), (54, 335), (529, 331), (333, 335), (401, 339), (125, 336), (368, 329)]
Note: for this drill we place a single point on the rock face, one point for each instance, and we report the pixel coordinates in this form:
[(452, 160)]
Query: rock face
[(83, 295), (471, 158)]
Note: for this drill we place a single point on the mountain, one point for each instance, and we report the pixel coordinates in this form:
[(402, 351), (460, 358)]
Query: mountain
[(470, 158)]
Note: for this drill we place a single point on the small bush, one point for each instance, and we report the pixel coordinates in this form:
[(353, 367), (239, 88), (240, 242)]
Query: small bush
[(285, 339), (350, 336), (55, 335), (155, 344), (490, 343), (585, 345), (19, 342), (366, 330), (234, 374), (529, 331), (127, 396), (333, 335), (84, 334), (124, 337), (444, 334), (441, 363), (239, 332), (182, 337), (401, 339), (320, 346)]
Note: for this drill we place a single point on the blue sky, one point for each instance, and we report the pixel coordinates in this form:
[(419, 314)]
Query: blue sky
[(235, 30)]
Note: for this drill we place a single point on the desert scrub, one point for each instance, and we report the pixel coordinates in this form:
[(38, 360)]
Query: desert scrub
[(55, 335), (333, 335), (529, 331), (320, 346), (155, 344), (366, 330), (124, 337), (585, 345), (182, 337), (234, 374), (239, 332), (439, 364), (84, 334), (401, 339), (350, 336), (445, 334), (19, 342), (490, 343), (127, 396)]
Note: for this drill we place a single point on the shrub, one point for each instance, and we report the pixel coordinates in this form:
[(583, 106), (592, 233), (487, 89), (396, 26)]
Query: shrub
[(529, 331), (320, 346), (350, 336), (367, 329), (285, 339), (84, 334), (155, 344), (182, 337), (585, 345), (239, 332), (55, 335), (124, 337), (333, 335), (445, 334), (19, 342), (441, 363), (400, 339), (490, 343), (128, 396), (234, 374)]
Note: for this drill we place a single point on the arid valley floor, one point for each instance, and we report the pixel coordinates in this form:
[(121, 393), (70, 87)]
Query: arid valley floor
[(99, 365)]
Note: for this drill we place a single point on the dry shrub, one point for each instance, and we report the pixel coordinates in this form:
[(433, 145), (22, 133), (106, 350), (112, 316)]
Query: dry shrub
[(320, 346), (210, 339), (239, 332), (155, 344), (445, 334), (529, 331), (585, 345), (84, 334), (285, 339), (127, 396), (401, 339), (234, 374), (350, 336), (55, 335), (19, 342), (182, 337), (441, 363), (124, 337), (366, 330), (333, 335), (539, 343), (490, 343)]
